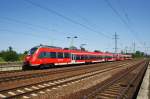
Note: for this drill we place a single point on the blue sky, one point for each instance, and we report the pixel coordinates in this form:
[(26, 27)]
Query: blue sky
[(24, 25)]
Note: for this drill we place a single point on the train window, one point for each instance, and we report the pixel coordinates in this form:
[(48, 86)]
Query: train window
[(96, 57), (60, 55), (41, 55), (32, 51), (85, 57), (66, 55), (91, 57), (108, 57), (88, 56), (100, 57), (44, 55), (47, 55), (103, 57), (53, 54), (77, 57), (82, 57)]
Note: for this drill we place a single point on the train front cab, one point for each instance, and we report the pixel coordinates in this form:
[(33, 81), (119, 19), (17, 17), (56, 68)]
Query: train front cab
[(31, 55)]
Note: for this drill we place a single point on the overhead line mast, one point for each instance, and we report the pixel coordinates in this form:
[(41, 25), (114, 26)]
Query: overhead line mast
[(127, 25), (134, 47), (116, 38)]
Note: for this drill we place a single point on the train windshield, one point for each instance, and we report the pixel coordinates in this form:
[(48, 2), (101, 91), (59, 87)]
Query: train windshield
[(32, 51)]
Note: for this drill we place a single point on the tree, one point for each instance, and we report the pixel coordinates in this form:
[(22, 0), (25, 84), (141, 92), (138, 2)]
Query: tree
[(22, 56), (25, 52), (83, 49), (9, 55), (97, 51), (10, 48), (122, 52), (138, 54), (1, 59)]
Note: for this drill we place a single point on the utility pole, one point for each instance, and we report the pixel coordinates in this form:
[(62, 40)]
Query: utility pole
[(116, 38), (145, 48), (126, 49)]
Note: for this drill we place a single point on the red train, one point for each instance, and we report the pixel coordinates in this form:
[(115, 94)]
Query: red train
[(49, 56)]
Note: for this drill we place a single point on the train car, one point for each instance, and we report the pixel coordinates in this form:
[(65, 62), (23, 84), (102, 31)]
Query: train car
[(109, 57), (88, 57), (99, 57), (127, 57), (121, 57), (48, 56), (118, 57)]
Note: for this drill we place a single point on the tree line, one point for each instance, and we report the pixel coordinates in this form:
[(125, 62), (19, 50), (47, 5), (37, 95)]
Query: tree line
[(11, 55), (138, 54)]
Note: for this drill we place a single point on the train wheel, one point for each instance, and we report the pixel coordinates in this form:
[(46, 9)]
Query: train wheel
[(46, 66), (51, 66), (25, 67), (42, 66)]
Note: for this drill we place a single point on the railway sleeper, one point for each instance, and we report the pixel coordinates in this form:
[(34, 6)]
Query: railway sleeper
[(107, 95), (102, 97), (111, 92)]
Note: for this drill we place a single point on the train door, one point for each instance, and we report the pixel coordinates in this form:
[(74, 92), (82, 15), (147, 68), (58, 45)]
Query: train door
[(73, 58)]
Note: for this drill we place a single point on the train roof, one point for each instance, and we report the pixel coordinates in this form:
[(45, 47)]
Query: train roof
[(46, 46), (79, 51)]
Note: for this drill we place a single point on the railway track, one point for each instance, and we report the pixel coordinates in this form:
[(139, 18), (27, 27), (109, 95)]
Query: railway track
[(48, 73), (61, 73), (31, 90), (121, 86), (19, 75)]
